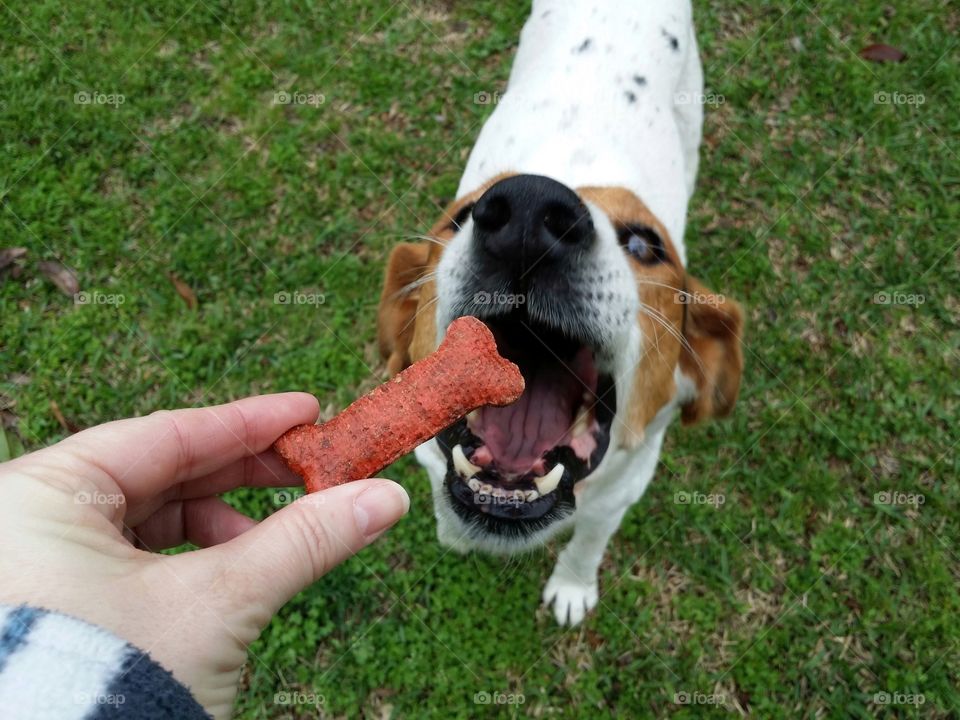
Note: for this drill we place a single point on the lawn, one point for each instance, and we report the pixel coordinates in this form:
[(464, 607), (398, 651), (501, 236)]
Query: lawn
[(148, 148)]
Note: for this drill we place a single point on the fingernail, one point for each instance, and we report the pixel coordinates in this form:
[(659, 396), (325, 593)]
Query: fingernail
[(379, 507)]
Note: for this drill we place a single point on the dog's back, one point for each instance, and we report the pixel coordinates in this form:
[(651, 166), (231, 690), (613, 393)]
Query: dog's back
[(602, 93)]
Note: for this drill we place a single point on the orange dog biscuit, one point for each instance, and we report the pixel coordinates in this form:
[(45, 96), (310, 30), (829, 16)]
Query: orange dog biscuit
[(464, 373)]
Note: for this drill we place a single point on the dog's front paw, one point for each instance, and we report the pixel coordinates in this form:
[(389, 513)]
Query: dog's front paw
[(571, 599)]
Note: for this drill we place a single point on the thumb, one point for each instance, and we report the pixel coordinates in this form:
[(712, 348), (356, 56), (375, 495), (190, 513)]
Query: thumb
[(302, 542)]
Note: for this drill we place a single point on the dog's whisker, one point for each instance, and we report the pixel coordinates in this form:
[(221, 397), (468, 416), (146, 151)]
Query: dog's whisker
[(661, 320), (645, 281), (664, 322), (425, 238), (411, 286), (426, 306)]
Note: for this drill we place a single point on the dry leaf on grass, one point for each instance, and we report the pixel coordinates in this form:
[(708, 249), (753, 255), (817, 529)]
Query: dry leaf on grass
[(8, 256), (184, 291), (879, 52), (64, 423), (61, 276)]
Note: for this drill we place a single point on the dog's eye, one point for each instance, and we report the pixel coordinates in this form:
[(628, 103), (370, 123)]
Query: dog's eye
[(643, 243), (461, 217)]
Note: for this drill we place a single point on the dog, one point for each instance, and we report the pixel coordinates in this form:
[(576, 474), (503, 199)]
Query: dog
[(566, 239)]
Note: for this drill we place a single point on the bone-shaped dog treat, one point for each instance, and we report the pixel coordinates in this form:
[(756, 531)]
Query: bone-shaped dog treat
[(464, 373)]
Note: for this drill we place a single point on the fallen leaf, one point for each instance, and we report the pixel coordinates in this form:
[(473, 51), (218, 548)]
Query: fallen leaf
[(9, 255), (61, 276), (878, 52), (64, 423), (184, 291)]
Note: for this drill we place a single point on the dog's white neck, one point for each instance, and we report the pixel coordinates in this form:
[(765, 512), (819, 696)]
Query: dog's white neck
[(601, 93)]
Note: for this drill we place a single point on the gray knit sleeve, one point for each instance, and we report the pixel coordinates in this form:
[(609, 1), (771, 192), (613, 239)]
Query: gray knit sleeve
[(56, 667)]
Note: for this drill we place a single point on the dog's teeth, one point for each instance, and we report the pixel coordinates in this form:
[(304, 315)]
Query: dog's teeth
[(548, 483), (531, 495), (486, 488), (519, 495), (582, 422), (474, 484), (463, 466)]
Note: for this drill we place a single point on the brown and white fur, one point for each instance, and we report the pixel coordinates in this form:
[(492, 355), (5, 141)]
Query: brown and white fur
[(567, 238)]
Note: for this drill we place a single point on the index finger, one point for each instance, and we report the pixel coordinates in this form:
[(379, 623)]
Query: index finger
[(147, 455)]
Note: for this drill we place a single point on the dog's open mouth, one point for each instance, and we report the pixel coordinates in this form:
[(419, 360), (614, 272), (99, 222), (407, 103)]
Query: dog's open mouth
[(521, 462)]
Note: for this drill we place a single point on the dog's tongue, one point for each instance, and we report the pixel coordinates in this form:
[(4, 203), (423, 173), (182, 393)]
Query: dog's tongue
[(518, 435)]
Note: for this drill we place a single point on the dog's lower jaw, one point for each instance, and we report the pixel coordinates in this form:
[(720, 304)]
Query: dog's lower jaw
[(447, 534), (573, 587)]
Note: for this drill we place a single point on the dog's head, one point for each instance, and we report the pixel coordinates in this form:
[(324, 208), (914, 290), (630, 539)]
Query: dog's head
[(585, 291)]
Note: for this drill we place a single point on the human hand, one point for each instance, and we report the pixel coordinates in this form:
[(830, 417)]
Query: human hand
[(75, 519)]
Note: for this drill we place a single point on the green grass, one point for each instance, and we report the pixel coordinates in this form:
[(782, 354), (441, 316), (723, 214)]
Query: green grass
[(800, 597)]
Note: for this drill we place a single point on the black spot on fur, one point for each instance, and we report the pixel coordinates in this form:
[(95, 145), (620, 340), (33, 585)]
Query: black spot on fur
[(631, 97), (640, 80), (585, 45), (674, 43)]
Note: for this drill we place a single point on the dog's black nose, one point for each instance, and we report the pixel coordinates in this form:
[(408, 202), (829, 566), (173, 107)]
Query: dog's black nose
[(529, 219)]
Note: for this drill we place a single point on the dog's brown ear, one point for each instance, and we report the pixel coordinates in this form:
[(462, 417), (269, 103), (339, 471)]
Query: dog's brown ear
[(712, 357), (398, 303)]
